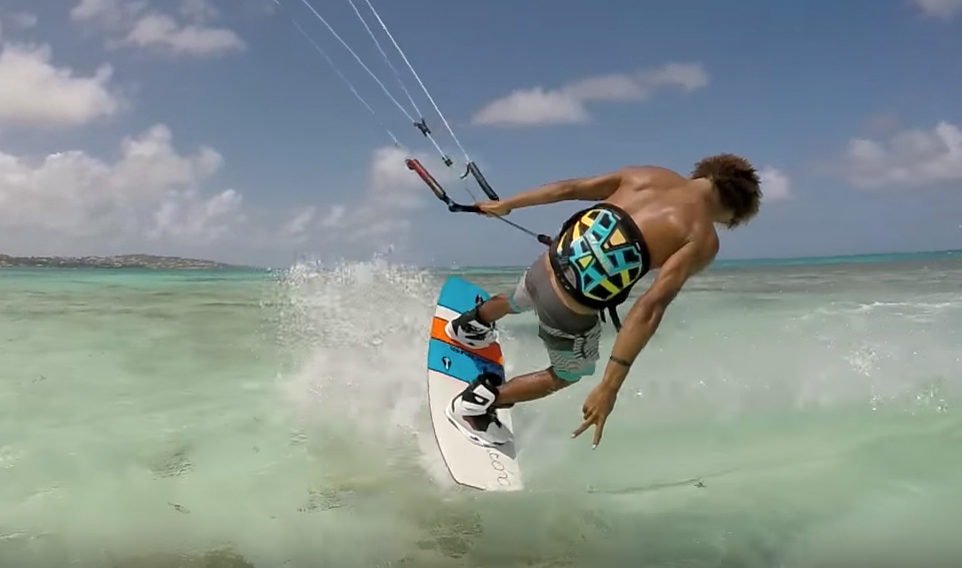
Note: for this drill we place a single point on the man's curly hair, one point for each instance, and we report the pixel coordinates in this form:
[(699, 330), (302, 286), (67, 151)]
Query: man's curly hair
[(736, 182)]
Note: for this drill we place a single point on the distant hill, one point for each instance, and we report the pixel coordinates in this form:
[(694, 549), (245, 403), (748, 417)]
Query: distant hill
[(120, 261)]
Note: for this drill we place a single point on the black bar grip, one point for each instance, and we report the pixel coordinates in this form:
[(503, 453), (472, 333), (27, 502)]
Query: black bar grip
[(474, 171)]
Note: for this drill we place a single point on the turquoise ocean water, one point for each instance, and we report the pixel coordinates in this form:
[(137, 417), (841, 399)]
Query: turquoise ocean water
[(787, 414)]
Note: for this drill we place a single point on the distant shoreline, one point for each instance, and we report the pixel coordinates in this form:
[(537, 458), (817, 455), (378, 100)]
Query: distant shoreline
[(145, 261), (158, 262)]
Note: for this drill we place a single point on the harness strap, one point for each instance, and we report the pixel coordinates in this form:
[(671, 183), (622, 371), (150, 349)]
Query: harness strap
[(615, 319)]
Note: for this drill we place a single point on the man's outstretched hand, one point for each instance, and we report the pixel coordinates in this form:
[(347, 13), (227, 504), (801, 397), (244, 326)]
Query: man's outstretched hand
[(495, 208), (597, 407)]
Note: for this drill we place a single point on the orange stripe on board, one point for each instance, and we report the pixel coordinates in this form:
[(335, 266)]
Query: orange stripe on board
[(491, 352)]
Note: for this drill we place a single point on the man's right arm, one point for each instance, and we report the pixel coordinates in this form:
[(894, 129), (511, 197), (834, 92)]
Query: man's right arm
[(646, 314), (594, 188)]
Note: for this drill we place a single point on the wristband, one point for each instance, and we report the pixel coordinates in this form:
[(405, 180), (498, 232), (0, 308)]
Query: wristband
[(619, 361)]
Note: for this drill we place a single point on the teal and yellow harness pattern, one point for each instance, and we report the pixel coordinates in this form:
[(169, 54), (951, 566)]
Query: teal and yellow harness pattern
[(605, 252)]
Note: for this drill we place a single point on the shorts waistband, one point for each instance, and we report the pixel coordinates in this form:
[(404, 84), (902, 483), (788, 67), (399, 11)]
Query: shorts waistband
[(551, 309)]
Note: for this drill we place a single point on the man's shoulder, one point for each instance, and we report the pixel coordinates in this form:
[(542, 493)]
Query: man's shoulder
[(648, 170), (644, 178)]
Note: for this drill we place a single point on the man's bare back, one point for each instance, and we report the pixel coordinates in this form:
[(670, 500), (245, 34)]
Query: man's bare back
[(671, 211), (643, 218)]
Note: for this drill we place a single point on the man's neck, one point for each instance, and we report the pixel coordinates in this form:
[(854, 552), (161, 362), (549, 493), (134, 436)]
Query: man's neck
[(705, 188)]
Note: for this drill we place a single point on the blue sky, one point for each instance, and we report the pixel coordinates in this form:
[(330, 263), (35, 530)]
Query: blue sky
[(208, 127)]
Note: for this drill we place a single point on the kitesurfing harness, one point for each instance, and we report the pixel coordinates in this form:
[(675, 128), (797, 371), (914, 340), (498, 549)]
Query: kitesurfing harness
[(598, 256)]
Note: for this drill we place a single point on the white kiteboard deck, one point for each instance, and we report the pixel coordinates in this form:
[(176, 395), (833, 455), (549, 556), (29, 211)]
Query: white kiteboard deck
[(451, 367)]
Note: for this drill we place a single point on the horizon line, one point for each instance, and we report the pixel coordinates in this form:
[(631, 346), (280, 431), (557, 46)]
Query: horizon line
[(763, 259), (454, 266)]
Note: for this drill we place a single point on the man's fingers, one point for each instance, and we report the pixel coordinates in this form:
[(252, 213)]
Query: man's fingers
[(582, 428), (599, 429)]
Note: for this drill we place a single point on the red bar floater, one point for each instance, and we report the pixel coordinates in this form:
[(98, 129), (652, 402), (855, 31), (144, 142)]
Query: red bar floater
[(416, 167)]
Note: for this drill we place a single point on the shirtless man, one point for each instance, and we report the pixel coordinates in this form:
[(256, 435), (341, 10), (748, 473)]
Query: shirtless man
[(643, 218)]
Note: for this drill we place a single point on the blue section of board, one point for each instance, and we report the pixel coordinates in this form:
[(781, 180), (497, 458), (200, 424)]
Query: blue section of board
[(460, 296), (462, 365)]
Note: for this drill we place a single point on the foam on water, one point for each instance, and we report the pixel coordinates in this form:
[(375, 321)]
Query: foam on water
[(774, 420), (362, 374)]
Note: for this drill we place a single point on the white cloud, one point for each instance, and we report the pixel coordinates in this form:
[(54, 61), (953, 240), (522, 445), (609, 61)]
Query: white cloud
[(391, 183), (531, 107), (944, 9), (154, 198), (73, 203), (568, 104), (107, 13), (297, 229), (909, 158), (776, 185), (185, 215), (380, 218), (33, 92), (162, 32), (132, 23), (334, 216)]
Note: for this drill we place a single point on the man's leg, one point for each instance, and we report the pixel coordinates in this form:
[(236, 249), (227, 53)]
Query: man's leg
[(475, 327), (495, 308), (570, 338), (531, 386), (572, 357)]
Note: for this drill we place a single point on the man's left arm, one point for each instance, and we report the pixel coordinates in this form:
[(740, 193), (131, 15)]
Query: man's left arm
[(645, 316), (593, 188)]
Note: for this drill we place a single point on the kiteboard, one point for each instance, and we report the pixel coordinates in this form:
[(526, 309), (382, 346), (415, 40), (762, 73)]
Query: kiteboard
[(451, 366)]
